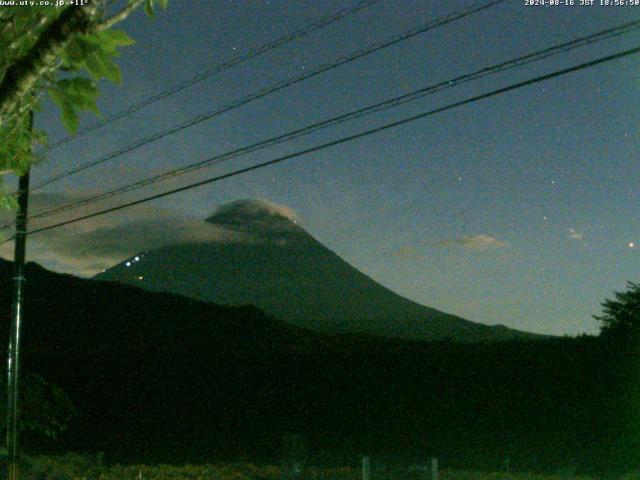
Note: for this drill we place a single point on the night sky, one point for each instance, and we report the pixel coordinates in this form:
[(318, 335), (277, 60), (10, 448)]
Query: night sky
[(521, 209)]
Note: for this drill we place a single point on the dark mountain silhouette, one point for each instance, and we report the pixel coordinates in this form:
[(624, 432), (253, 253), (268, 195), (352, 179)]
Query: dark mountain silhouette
[(158, 377), (277, 266)]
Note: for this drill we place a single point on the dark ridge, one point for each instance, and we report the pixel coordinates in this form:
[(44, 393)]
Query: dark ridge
[(161, 378)]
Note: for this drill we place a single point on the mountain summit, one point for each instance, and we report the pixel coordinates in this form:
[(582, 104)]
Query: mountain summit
[(258, 221), (276, 265), (252, 213)]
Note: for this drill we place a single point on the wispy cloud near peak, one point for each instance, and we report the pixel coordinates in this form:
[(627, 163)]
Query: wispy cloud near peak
[(479, 242)]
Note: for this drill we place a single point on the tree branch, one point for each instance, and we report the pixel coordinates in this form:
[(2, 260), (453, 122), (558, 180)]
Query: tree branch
[(120, 16), (20, 78)]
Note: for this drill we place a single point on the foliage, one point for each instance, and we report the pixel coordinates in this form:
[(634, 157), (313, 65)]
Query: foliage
[(72, 467), (62, 51), (62, 467), (45, 409), (216, 383), (621, 317)]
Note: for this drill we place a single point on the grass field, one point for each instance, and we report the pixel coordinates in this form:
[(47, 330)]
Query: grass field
[(77, 467)]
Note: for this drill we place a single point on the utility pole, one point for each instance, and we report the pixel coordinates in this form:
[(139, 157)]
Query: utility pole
[(13, 360)]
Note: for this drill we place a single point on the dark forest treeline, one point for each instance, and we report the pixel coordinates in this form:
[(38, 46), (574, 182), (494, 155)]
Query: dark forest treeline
[(158, 377)]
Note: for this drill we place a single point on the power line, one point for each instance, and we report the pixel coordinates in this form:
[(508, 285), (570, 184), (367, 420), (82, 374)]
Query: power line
[(274, 88), (349, 138), (394, 102), (317, 25)]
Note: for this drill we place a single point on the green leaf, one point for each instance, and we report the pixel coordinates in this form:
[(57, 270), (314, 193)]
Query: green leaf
[(78, 50), (57, 96), (74, 51), (94, 66), (163, 4), (100, 65), (5, 157), (81, 92), (106, 43), (109, 67), (83, 88), (118, 38), (70, 117), (23, 140), (148, 8), (68, 66), (80, 47), (8, 202)]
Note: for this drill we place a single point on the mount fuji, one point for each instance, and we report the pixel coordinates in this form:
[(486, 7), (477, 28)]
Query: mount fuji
[(269, 261)]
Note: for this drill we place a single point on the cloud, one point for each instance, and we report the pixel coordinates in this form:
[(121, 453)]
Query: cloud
[(252, 210), (407, 253), (574, 235), (479, 242), (87, 247)]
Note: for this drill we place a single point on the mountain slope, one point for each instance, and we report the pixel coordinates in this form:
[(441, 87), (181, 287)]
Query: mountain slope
[(277, 266), (157, 377)]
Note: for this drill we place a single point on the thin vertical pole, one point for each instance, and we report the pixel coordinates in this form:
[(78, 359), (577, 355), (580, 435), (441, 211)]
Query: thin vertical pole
[(13, 360), (434, 468), (366, 468)]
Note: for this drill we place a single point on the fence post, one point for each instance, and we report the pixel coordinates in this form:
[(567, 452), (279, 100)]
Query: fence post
[(434, 468), (366, 468)]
